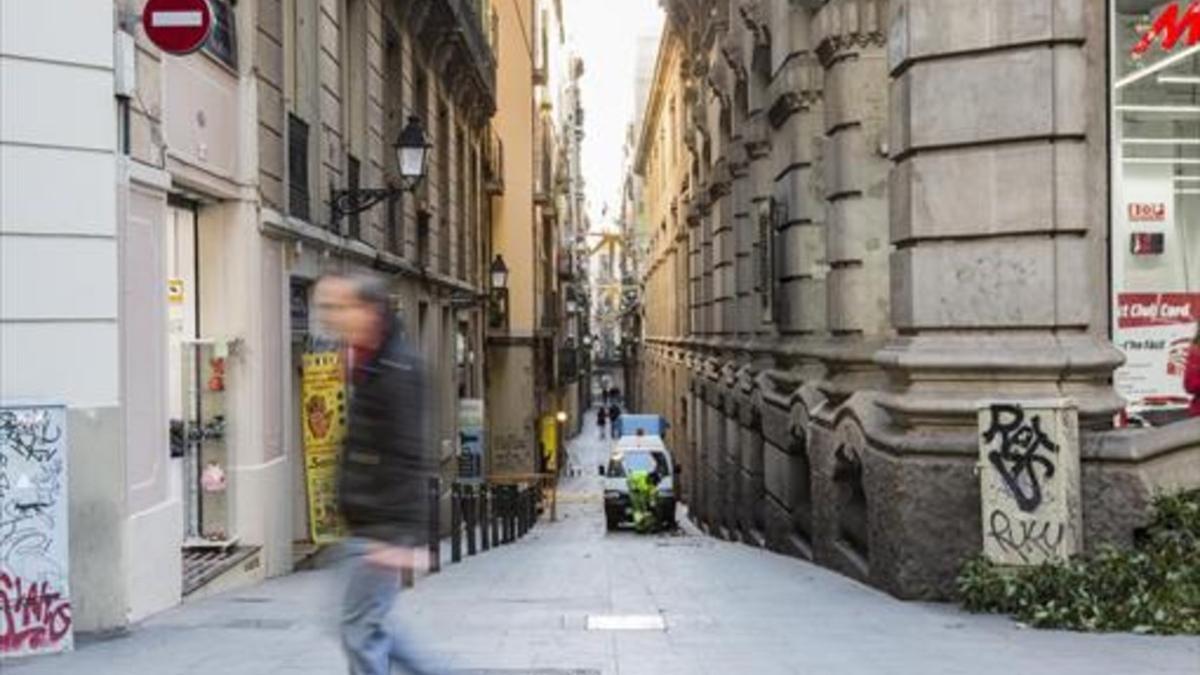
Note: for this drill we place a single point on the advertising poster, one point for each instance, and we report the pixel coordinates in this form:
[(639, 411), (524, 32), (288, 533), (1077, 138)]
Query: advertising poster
[(323, 402), (1155, 331), (470, 437), (35, 598)]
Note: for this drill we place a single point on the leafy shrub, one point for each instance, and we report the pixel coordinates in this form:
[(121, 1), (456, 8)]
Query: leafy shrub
[(1153, 588)]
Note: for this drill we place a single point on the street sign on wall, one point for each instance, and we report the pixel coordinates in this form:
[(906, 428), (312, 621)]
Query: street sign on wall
[(177, 26)]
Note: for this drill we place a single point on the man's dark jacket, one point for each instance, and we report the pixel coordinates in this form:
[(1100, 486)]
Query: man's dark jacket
[(383, 483)]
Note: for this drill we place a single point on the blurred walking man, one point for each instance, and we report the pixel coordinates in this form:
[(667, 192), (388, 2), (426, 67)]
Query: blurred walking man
[(384, 472)]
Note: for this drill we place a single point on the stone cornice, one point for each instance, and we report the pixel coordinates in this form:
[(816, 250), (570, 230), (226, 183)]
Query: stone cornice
[(797, 86), (846, 25)]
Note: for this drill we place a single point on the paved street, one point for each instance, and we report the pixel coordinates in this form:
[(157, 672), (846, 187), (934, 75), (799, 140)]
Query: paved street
[(524, 608)]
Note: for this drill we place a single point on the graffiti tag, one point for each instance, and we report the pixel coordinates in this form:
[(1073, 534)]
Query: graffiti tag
[(1024, 450), (1028, 539), (32, 615)]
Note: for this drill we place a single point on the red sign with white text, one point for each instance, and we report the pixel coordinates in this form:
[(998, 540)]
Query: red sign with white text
[(177, 26), (1155, 331), (1174, 24)]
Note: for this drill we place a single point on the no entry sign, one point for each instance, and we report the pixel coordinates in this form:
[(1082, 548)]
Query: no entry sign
[(177, 26)]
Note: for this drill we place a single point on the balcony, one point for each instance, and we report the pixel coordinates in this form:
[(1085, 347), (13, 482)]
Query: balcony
[(566, 266), (493, 163), (453, 32)]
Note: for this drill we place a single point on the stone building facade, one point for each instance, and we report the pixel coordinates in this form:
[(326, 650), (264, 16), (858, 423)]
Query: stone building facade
[(893, 214)]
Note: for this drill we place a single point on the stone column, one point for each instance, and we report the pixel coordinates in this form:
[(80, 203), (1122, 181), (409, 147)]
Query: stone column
[(794, 115), (998, 282), (849, 35)]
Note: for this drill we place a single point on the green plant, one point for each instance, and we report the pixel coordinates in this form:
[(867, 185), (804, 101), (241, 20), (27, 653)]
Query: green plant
[(1152, 588)]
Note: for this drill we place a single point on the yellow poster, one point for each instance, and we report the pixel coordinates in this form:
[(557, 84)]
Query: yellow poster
[(550, 442), (323, 403)]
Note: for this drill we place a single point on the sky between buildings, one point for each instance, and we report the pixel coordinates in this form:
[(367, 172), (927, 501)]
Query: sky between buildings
[(606, 34)]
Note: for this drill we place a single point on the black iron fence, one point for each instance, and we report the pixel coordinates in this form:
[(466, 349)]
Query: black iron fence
[(483, 516)]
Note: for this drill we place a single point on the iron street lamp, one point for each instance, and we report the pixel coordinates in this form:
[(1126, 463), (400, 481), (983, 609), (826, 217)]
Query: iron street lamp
[(412, 157), (499, 272), (498, 316)]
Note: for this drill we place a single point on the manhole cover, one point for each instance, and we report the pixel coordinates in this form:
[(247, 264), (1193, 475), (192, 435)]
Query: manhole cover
[(626, 622)]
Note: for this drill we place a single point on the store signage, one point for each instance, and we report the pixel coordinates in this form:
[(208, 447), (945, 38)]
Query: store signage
[(177, 26), (1147, 212), (1173, 24), (1155, 330)]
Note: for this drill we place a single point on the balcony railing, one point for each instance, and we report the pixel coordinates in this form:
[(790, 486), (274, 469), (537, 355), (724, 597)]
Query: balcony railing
[(493, 158), (472, 31)]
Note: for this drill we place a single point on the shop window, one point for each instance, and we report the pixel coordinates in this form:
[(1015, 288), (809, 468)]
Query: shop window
[(222, 43), (1155, 217)]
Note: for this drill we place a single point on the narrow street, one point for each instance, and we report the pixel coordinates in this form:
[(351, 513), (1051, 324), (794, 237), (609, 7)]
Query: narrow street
[(524, 608)]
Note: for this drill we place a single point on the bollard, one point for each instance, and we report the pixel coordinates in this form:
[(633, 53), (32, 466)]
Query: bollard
[(472, 502), (485, 521), (506, 511), (495, 500), (455, 523), (522, 511), (516, 513), (435, 525), (407, 578)]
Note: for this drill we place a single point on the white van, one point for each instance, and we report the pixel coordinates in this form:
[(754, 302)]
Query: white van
[(638, 453)]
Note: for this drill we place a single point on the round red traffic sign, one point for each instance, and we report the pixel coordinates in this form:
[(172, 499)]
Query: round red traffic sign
[(177, 26)]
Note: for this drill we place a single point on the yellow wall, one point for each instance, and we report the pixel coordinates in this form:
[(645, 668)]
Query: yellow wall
[(513, 219)]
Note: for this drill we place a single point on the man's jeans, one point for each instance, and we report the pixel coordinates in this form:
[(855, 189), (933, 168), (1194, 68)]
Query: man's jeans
[(373, 645)]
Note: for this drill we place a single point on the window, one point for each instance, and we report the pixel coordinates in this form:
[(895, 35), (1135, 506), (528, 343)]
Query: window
[(222, 43), (298, 198), (393, 94), (464, 207), (1155, 201), (445, 142)]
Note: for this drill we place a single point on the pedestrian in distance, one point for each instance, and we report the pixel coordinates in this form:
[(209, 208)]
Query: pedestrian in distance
[(601, 420), (384, 471), (1191, 374), (614, 417)]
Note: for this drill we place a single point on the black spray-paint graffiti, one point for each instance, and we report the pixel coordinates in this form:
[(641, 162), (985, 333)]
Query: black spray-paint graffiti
[(30, 434), (1024, 450), (1028, 539)]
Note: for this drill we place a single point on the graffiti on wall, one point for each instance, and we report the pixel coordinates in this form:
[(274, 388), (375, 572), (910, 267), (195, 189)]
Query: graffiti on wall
[(35, 607), (1029, 482)]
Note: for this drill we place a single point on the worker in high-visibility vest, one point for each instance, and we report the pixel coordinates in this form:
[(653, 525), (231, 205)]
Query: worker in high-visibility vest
[(643, 499)]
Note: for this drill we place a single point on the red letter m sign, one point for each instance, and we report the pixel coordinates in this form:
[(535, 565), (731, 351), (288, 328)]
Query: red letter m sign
[(1170, 26)]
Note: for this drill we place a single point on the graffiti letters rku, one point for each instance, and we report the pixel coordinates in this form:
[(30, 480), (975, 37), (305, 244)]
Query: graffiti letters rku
[(1024, 450), (32, 615), (1026, 537)]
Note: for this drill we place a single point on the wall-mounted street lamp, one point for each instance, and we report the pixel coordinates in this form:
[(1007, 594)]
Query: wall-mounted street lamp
[(412, 156), (498, 316)]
